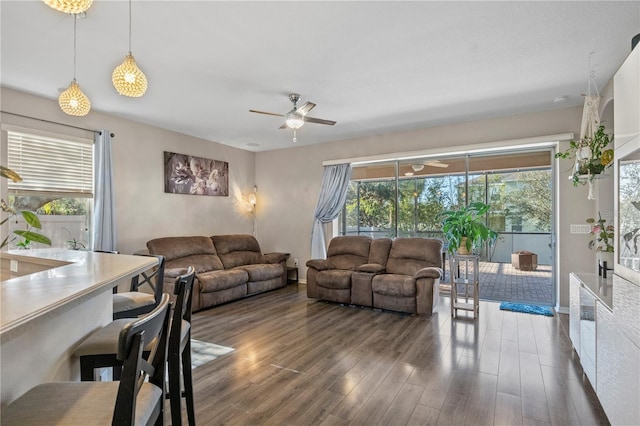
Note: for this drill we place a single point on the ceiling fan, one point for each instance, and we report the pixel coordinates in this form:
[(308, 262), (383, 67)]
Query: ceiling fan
[(296, 118), (431, 163)]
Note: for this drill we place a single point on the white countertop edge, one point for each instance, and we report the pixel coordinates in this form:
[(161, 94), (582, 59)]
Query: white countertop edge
[(75, 267)]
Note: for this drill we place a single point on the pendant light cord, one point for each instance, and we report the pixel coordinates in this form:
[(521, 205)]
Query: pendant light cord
[(75, 23), (129, 26)]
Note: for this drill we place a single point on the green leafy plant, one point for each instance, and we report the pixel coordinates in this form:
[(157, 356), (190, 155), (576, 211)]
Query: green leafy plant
[(29, 217), (73, 243), (465, 228), (593, 155), (601, 235)]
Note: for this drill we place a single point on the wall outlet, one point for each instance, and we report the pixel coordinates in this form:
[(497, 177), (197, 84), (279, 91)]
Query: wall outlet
[(13, 265), (295, 262), (580, 229)]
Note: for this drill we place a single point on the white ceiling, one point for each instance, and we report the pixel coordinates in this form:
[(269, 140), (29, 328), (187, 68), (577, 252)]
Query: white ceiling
[(374, 67)]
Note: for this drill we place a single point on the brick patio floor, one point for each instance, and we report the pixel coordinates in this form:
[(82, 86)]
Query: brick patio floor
[(502, 282)]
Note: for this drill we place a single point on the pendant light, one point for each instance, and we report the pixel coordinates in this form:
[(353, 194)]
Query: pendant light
[(69, 6), (72, 101), (127, 78)]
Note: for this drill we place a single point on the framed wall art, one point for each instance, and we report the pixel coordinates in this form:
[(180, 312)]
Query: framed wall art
[(628, 208), (187, 174)]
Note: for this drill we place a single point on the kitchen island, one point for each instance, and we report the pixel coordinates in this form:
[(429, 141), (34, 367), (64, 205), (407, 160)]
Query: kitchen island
[(50, 300)]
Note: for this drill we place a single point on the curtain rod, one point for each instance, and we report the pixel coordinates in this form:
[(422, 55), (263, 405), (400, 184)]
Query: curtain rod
[(54, 122)]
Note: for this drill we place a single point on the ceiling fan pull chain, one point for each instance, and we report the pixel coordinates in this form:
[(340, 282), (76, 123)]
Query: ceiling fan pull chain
[(295, 139)]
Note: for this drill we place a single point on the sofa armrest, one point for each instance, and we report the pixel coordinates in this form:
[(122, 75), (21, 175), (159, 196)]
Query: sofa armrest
[(374, 268), (174, 272), (318, 264), (429, 272), (275, 257)]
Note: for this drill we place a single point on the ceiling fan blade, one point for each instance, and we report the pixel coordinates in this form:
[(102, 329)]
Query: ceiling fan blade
[(318, 121), (436, 164), (266, 113), (304, 109)]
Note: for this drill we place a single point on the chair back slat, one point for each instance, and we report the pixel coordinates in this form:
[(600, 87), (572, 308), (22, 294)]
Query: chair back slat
[(133, 339), (178, 343), (155, 279)]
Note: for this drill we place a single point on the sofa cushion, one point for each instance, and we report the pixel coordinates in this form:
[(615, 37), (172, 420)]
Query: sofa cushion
[(182, 252), (372, 268), (262, 272), (237, 250), (334, 278), (221, 280), (318, 264), (409, 255), (379, 251), (348, 252), (200, 262), (394, 285)]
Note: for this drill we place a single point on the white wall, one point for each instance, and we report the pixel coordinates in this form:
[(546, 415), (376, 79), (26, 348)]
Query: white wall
[(289, 181), (144, 211)]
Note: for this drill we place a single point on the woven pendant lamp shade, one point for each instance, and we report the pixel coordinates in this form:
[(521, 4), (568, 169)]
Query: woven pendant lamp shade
[(73, 102), (128, 79), (69, 6)]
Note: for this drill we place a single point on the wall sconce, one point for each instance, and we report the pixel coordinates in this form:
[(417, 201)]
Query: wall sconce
[(253, 200)]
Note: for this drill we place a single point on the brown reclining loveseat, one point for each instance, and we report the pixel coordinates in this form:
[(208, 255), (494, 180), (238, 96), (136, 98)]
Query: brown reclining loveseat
[(399, 275)]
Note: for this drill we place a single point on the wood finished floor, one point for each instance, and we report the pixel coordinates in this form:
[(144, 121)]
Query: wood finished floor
[(298, 361)]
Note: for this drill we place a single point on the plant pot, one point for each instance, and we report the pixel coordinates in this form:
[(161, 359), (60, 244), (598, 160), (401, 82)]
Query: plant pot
[(606, 256), (462, 249)]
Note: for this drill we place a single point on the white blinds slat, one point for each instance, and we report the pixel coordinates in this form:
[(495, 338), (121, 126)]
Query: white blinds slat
[(49, 165)]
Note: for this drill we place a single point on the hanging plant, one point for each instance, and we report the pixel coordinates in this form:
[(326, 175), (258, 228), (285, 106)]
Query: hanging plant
[(593, 155)]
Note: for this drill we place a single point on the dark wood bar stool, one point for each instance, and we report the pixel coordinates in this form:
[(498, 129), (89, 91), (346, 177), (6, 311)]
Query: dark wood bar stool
[(99, 349), (136, 400)]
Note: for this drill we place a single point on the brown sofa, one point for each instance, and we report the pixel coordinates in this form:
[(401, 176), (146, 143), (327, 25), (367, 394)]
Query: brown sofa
[(399, 275), (228, 267)]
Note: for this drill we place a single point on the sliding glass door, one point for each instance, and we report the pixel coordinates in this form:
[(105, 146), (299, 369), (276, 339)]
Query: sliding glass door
[(404, 199)]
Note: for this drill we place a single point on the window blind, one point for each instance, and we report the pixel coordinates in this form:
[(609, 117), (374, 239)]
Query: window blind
[(50, 166)]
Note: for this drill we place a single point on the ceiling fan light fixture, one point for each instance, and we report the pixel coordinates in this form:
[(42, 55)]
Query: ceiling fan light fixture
[(128, 79), (417, 167), (294, 120), (69, 6), (73, 101)]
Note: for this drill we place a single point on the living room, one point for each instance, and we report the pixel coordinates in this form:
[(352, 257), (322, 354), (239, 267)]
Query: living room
[(288, 179)]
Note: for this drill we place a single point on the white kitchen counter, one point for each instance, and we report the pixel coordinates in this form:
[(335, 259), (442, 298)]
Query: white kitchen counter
[(45, 314)]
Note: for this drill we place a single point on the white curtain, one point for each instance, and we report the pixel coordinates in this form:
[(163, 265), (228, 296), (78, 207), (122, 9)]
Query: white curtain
[(333, 194), (104, 213)]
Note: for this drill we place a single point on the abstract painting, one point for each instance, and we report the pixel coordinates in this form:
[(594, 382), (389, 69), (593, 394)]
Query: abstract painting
[(186, 174)]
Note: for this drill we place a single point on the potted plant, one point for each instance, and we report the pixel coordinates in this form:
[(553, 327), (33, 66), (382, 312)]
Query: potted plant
[(464, 229), (592, 154), (602, 240), (29, 217)]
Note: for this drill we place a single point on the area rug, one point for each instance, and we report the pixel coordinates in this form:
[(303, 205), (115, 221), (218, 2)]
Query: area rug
[(204, 352), (527, 309)]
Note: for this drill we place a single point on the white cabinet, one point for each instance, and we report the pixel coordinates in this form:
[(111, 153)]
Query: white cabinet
[(583, 292), (604, 328), (626, 93), (618, 370), (574, 312)]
